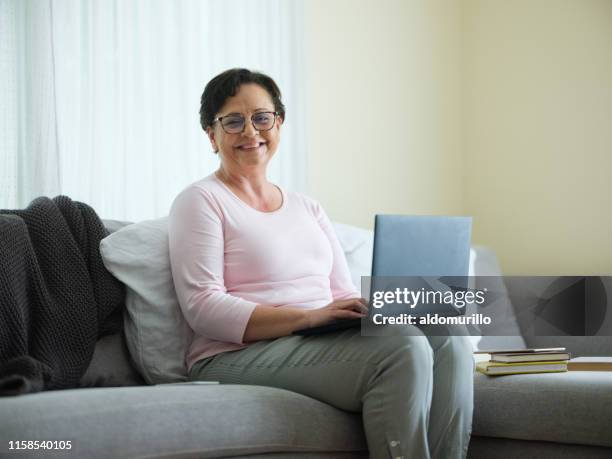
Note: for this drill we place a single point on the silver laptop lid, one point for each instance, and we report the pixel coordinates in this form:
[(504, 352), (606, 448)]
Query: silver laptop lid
[(407, 245)]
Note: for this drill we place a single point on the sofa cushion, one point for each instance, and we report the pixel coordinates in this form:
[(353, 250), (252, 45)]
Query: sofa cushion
[(504, 333), (357, 244), (503, 448), (578, 346), (206, 421), (573, 407), (114, 225), (110, 365), (156, 332)]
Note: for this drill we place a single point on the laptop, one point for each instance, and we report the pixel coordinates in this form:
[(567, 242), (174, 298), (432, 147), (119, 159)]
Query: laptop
[(410, 248)]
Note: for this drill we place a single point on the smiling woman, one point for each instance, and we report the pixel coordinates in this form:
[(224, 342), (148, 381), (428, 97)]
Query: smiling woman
[(253, 263)]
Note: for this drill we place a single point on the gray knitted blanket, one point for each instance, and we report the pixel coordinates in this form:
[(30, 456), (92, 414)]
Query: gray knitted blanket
[(56, 296)]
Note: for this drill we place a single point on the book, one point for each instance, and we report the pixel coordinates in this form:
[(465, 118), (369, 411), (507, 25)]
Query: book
[(497, 368), (520, 351), (530, 357), (590, 364)]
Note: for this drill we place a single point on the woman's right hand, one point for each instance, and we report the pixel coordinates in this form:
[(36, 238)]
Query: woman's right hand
[(269, 322), (353, 308)]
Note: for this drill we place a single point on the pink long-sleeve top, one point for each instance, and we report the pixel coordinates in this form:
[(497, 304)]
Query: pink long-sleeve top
[(228, 257)]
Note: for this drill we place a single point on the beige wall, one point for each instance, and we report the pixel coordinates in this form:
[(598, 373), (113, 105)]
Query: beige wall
[(538, 133), (384, 102), (497, 109)]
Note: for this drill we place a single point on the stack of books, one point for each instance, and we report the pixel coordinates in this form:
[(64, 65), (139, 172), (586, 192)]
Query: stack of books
[(520, 361)]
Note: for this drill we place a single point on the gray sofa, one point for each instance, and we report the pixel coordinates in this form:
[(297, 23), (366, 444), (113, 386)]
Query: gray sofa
[(115, 415)]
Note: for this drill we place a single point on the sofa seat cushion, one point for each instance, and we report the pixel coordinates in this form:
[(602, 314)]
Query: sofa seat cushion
[(573, 407), (207, 421)]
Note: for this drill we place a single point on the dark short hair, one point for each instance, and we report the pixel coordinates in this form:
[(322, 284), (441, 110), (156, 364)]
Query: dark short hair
[(226, 85)]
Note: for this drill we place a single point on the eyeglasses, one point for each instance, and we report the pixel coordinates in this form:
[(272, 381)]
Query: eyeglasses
[(235, 124)]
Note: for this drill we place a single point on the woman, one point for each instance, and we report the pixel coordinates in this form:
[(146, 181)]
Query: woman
[(252, 263)]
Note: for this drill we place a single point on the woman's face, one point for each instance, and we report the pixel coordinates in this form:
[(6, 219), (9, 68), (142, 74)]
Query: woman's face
[(250, 147)]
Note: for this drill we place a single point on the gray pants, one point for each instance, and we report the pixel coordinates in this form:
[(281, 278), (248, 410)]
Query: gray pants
[(415, 392)]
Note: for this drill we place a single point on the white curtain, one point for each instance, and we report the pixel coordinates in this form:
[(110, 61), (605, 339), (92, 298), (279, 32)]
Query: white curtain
[(28, 131), (101, 98)]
